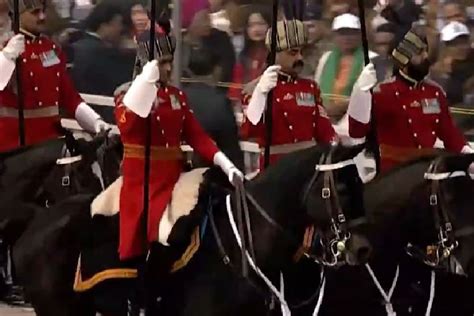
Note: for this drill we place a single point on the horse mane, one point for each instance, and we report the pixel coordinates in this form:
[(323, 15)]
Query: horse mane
[(285, 176), (391, 190)]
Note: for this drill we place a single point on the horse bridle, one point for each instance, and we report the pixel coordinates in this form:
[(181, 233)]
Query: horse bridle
[(329, 193), (447, 242), (336, 246)]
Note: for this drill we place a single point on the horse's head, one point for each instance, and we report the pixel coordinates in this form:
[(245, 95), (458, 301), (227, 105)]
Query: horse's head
[(441, 225), (109, 157), (334, 202), (92, 166)]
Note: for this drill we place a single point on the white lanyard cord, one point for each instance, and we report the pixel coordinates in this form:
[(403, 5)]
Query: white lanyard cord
[(387, 297)]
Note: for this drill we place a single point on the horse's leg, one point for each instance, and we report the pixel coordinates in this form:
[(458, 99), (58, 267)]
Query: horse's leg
[(154, 276)]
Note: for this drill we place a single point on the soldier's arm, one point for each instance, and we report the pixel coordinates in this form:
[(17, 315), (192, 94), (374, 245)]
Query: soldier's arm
[(12, 50), (202, 143), (249, 131), (324, 132), (448, 132), (360, 103), (68, 95), (359, 112), (70, 99), (195, 135)]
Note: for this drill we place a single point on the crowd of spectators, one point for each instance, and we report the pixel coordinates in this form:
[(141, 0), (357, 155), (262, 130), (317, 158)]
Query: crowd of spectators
[(98, 37)]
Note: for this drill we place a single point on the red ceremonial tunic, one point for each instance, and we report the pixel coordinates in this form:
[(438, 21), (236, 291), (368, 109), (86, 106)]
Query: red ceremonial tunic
[(299, 119), (409, 117), (45, 86), (172, 123)]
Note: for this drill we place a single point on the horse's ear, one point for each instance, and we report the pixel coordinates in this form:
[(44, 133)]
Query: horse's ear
[(348, 152), (460, 162)]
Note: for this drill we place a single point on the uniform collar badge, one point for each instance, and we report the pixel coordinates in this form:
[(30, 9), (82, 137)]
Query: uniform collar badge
[(415, 104), (288, 97)]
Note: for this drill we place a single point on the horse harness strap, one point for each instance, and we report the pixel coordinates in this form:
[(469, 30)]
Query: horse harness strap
[(67, 161), (446, 238), (336, 213), (330, 196), (446, 235)]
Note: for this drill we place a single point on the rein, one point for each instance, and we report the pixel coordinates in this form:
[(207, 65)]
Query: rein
[(241, 227)]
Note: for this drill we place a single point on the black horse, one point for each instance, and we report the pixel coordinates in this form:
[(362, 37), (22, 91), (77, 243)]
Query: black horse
[(37, 176), (430, 211), (400, 208), (286, 201)]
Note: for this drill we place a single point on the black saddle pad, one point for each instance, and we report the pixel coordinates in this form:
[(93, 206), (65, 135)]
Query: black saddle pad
[(99, 260)]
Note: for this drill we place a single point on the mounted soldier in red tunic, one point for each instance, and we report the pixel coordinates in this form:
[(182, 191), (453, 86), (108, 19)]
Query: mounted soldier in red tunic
[(411, 112), (299, 117), (45, 84), (172, 123)]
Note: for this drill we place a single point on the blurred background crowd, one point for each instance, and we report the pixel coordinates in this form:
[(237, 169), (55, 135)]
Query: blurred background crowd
[(222, 44)]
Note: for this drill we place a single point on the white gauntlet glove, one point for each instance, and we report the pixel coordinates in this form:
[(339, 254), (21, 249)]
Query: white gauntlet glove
[(142, 93), (367, 78), (101, 126), (467, 150), (228, 167), (15, 47), (360, 103), (267, 82), (88, 119), (269, 79)]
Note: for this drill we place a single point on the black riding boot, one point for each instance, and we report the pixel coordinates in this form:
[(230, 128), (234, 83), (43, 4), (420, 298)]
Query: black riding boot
[(137, 291), (156, 271)]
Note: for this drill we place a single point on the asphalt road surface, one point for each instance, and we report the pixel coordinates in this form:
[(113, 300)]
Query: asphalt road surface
[(14, 311)]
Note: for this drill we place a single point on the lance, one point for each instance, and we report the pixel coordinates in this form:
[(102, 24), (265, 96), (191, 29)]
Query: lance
[(21, 105), (372, 135), (146, 178), (269, 113)]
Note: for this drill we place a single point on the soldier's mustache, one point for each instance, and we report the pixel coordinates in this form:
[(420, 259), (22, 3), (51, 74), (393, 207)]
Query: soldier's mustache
[(298, 64)]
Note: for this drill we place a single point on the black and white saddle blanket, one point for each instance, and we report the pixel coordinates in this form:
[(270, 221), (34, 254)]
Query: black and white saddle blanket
[(183, 201), (99, 260)]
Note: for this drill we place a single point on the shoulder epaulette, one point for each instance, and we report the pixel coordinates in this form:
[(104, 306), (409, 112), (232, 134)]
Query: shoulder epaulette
[(433, 83), (379, 85)]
